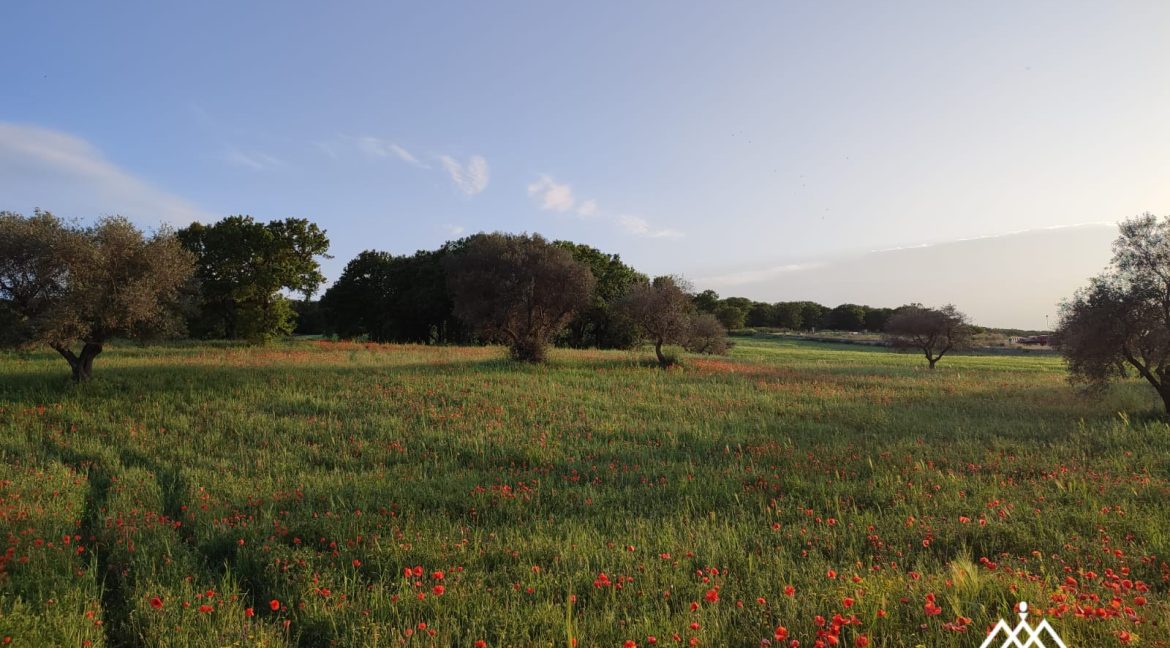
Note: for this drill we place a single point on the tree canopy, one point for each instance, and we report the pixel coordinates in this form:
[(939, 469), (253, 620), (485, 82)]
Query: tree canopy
[(394, 299), (933, 331), (666, 313), (1122, 318), (243, 265), (65, 285), (518, 289), (846, 317), (597, 324)]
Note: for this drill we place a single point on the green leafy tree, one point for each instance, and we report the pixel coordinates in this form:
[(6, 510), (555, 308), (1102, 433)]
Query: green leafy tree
[(762, 314), (72, 287), (812, 316), (933, 331), (394, 299), (310, 317), (788, 315), (730, 315), (242, 267), (876, 318), (706, 301), (846, 317), (517, 289), (598, 325)]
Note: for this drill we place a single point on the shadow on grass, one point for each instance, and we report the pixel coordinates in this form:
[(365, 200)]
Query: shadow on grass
[(51, 383)]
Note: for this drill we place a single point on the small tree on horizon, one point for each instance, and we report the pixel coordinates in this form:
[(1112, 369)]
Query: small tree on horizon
[(65, 285), (517, 289), (933, 331)]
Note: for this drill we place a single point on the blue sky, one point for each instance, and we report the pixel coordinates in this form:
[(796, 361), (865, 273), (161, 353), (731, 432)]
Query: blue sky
[(744, 144)]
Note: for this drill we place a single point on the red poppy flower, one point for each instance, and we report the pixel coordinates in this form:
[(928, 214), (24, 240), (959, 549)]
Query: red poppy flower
[(156, 603), (274, 604)]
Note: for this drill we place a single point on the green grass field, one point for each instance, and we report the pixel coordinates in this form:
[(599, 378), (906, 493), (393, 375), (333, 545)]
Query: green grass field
[(317, 494)]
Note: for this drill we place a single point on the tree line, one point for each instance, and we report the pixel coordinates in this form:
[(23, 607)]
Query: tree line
[(75, 287), (405, 298)]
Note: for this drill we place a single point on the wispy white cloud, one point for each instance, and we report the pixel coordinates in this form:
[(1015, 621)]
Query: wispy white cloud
[(641, 227), (470, 178), (454, 230), (329, 148), (406, 156), (64, 173), (552, 195), (375, 148), (256, 160), (380, 148)]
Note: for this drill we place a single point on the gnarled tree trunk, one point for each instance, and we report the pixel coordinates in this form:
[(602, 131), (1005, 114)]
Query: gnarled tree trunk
[(81, 364)]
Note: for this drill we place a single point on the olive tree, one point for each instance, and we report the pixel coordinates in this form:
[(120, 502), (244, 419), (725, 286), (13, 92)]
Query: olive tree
[(661, 309), (68, 286), (666, 313), (706, 334), (517, 289), (933, 331), (1122, 318)]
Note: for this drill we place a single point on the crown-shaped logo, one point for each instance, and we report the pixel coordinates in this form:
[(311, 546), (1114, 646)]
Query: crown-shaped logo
[(1023, 635)]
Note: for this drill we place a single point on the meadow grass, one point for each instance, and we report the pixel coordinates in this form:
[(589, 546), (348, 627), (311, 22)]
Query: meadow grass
[(317, 493)]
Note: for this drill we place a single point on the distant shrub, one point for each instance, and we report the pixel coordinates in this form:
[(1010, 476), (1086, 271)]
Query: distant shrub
[(706, 335)]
